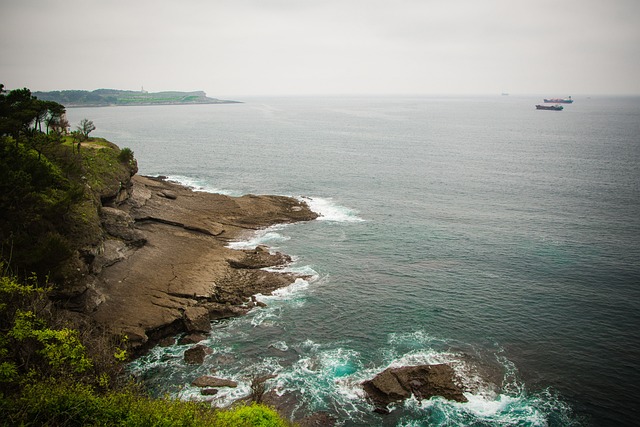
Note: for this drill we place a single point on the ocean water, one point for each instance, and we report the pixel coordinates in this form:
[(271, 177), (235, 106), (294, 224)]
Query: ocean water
[(474, 231)]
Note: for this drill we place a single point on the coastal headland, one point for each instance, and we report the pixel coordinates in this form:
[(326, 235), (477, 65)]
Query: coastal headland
[(117, 97), (164, 266)]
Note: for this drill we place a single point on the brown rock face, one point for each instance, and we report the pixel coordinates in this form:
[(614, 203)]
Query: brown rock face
[(165, 267), (195, 355), (423, 382), (260, 257), (196, 319)]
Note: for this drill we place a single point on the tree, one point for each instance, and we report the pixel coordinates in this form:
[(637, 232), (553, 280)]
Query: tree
[(18, 112), (22, 114), (55, 120), (85, 127)]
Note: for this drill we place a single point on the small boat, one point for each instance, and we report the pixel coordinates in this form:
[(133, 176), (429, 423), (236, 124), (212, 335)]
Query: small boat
[(550, 107), (566, 100)]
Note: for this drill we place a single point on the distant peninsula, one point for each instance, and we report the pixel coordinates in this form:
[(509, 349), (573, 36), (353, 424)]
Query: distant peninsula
[(109, 97)]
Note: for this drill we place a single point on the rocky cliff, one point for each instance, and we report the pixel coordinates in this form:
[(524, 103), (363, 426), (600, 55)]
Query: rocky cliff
[(160, 263)]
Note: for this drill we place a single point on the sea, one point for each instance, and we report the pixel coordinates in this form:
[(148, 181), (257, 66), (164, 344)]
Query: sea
[(473, 231)]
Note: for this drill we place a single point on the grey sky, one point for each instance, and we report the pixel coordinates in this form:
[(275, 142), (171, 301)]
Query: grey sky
[(286, 47)]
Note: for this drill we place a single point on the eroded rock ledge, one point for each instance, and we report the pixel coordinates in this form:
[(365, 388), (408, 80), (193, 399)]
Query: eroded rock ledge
[(164, 267)]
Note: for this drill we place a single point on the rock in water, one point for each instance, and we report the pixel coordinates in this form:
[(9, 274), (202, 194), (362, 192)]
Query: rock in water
[(195, 355), (209, 381), (422, 381)]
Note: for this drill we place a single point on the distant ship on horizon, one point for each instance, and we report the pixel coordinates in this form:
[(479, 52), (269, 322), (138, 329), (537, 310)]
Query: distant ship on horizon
[(550, 107), (566, 100)]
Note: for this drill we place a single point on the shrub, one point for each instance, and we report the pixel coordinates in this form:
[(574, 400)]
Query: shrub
[(125, 156), (52, 403), (249, 416)]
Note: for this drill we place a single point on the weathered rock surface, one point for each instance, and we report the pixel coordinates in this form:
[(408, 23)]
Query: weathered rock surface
[(195, 355), (164, 267), (120, 225), (260, 257), (318, 419), (209, 381), (196, 319), (422, 381)]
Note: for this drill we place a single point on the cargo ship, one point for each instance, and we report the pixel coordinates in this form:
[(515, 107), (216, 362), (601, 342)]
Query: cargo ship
[(566, 100), (550, 107)]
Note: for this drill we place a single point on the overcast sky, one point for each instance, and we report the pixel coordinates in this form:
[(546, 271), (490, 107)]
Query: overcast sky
[(303, 47)]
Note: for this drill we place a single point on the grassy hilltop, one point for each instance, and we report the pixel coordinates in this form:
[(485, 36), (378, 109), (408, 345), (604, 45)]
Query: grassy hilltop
[(106, 97)]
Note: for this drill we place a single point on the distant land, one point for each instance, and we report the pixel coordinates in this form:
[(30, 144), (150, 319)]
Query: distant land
[(106, 97)]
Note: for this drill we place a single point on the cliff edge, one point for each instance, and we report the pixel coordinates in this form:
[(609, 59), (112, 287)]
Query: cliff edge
[(159, 263)]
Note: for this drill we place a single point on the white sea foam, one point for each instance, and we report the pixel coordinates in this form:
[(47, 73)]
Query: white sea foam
[(268, 236), (300, 270), (266, 317), (503, 410), (329, 377), (288, 292), (280, 345), (197, 184), (330, 211), (322, 376)]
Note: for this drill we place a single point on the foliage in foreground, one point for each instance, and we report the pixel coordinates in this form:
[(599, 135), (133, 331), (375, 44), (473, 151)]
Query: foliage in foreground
[(52, 374), (52, 404)]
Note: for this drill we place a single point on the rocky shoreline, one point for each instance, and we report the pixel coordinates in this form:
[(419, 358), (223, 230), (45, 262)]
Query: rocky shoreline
[(164, 266)]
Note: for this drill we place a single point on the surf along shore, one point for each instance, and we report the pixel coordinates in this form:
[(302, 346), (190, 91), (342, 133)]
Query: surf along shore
[(165, 267)]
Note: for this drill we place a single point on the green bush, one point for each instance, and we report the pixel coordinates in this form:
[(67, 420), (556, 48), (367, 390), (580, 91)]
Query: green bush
[(125, 156), (249, 416), (48, 379), (51, 403)]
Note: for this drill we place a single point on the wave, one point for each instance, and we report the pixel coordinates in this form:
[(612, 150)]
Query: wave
[(326, 208), (328, 377), (200, 184), (268, 236), (330, 211)]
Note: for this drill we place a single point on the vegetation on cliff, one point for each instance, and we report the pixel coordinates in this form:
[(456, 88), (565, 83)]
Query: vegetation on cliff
[(56, 367), (52, 185), (51, 374)]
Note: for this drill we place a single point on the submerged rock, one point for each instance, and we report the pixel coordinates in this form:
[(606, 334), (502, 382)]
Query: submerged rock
[(422, 381), (209, 381)]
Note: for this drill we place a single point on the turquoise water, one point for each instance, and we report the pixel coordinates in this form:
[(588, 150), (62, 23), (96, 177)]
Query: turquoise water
[(477, 232)]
